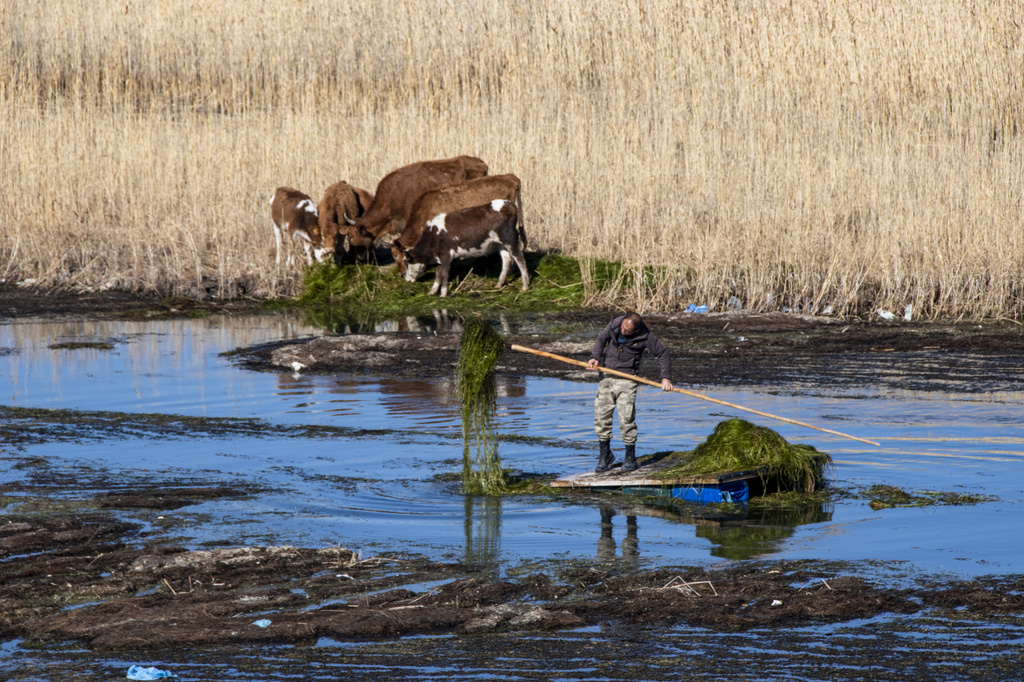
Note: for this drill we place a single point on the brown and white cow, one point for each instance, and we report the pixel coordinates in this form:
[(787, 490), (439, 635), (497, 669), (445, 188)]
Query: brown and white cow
[(452, 198), (295, 216), (469, 233), (342, 203), (398, 191)]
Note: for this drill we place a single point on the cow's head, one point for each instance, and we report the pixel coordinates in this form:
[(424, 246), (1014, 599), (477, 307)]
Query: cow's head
[(329, 237), (413, 271), (322, 250), (361, 245), (321, 254)]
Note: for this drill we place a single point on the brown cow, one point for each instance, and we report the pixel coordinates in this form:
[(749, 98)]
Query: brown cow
[(342, 203), (469, 233), (452, 198), (398, 191), (295, 217)]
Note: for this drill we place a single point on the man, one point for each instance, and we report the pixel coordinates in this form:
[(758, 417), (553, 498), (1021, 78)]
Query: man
[(620, 347)]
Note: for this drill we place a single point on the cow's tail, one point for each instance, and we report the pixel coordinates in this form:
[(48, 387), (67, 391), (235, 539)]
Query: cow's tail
[(519, 220)]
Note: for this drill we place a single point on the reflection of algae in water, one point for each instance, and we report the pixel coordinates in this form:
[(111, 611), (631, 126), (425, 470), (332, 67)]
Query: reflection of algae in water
[(479, 349), (736, 445), (483, 530), (768, 523)]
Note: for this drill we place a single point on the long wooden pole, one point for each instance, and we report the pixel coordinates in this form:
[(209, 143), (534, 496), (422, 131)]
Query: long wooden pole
[(692, 394)]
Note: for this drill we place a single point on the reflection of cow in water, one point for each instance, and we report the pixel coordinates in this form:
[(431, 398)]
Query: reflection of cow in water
[(426, 401), (426, 398), (440, 323), (469, 233)]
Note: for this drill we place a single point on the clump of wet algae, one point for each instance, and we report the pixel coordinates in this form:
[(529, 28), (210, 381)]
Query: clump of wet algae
[(738, 445), (479, 350), (888, 496)]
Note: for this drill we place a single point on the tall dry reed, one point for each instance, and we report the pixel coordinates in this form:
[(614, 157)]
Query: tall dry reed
[(851, 154)]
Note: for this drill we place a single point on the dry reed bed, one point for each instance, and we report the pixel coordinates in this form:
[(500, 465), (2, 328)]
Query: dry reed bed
[(852, 153)]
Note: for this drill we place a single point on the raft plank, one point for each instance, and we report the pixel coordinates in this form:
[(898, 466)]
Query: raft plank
[(616, 478)]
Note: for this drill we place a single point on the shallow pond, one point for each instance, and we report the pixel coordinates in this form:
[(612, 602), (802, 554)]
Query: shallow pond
[(381, 492)]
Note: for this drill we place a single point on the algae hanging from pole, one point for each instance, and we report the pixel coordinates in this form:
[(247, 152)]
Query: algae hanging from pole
[(479, 350)]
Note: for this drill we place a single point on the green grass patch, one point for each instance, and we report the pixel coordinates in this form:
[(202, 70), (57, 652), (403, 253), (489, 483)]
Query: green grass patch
[(738, 445), (360, 294)]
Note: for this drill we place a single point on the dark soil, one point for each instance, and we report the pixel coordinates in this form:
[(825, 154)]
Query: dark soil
[(738, 348), (28, 302), (97, 578), (86, 578)]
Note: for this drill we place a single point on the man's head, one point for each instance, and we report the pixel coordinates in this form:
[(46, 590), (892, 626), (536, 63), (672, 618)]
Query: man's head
[(630, 323)]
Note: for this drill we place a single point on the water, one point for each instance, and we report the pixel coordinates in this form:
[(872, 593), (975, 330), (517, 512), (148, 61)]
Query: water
[(945, 423), (380, 493)]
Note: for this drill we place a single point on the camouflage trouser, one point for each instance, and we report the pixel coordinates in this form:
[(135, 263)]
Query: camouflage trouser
[(612, 393)]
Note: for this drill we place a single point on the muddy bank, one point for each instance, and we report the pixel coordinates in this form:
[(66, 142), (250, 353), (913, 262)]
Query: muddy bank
[(713, 348), (19, 302), (93, 578), (708, 349)]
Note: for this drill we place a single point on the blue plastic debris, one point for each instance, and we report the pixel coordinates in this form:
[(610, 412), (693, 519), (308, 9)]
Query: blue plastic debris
[(696, 308), (139, 673), (261, 623), (732, 492)]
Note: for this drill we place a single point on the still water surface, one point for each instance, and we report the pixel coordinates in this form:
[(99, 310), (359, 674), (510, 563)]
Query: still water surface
[(379, 493)]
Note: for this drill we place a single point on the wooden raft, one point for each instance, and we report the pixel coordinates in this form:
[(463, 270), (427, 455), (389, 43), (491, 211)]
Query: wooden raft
[(646, 475)]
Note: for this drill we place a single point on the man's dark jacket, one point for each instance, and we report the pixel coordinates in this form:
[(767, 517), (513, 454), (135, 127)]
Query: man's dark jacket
[(614, 351)]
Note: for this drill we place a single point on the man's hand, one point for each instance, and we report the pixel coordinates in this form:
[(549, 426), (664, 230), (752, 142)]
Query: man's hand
[(592, 364), (666, 385)]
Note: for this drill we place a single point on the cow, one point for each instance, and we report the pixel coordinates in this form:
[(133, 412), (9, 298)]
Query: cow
[(398, 191), (295, 217), (452, 198), (469, 233), (341, 204)]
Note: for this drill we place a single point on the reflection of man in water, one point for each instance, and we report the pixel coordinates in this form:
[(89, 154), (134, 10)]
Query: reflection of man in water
[(606, 543)]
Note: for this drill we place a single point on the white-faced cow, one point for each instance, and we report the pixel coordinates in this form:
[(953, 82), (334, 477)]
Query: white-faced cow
[(342, 203), (398, 191), (452, 198), (469, 233), (295, 217)]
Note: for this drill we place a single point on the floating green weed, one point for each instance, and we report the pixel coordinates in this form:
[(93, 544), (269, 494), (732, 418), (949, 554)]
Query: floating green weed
[(737, 445), (479, 349), (888, 496)]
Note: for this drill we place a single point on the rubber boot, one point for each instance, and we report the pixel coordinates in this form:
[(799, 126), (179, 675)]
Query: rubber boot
[(605, 460), (630, 462)]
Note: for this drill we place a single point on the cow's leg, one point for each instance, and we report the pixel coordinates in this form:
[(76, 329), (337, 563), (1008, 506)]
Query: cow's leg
[(441, 277), (307, 246), (277, 244), (506, 263), (520, 259)]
